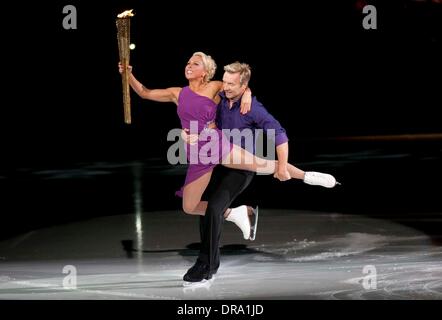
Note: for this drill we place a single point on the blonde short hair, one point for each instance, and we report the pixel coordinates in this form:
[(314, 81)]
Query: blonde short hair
[(245, 72), (208, 63)]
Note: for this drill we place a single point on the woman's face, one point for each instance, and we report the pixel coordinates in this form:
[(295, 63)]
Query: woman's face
[(195, 68)]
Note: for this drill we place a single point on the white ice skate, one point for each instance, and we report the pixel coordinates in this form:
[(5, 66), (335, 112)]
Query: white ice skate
[(320, 179), (240, 217)]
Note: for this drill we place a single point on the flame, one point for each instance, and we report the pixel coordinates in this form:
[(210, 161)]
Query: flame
[(125, 14)]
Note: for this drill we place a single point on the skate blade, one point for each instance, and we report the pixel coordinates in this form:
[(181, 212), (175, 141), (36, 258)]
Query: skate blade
[(254, 229)]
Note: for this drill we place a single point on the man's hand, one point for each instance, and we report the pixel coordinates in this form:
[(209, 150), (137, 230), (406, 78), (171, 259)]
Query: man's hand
[(189, 138), (282, 174)]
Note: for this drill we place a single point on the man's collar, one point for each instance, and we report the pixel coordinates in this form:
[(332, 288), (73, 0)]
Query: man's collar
[(223, 96)]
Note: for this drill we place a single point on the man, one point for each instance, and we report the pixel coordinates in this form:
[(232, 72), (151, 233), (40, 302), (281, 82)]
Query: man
[(226, 184)]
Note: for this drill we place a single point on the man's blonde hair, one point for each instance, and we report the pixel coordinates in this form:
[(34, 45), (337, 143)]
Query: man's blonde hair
[(208, 63), (245, 72)]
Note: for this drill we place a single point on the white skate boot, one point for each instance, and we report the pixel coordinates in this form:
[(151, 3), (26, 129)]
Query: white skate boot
[(320, 179), (240, 217)]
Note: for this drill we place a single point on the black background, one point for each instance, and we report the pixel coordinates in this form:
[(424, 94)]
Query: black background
[(314, 67)]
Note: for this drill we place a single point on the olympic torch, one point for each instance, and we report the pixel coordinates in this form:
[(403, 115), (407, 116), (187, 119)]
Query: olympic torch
[(123, 36)]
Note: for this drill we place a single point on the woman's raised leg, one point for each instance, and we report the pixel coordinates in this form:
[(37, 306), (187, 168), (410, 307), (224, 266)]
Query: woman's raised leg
[(241, 159), (244, 160)]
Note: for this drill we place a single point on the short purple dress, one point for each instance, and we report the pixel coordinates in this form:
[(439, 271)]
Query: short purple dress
[(212, 147)]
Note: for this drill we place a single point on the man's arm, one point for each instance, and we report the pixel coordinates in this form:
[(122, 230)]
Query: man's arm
[(282, 152), (266, 121)]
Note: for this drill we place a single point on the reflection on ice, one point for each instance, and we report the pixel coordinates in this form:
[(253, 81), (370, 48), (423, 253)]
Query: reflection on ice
[(328, 263)]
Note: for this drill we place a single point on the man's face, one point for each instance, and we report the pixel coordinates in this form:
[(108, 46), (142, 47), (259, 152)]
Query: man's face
[(231, 85)]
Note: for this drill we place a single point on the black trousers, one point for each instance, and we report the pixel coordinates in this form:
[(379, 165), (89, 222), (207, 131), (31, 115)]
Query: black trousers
[(225, 185)]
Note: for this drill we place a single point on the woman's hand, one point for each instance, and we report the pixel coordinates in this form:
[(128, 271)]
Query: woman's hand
[(246, 101), (189, 138), (121, 68)]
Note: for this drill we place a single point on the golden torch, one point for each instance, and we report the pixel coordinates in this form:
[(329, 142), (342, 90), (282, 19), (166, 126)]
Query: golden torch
[(123, 36)]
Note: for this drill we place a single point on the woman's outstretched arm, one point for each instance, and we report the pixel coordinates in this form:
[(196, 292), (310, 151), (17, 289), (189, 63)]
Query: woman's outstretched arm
[(160, 95)]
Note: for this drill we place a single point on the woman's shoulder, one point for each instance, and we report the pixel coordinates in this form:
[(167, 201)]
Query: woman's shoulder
[(215, 85)]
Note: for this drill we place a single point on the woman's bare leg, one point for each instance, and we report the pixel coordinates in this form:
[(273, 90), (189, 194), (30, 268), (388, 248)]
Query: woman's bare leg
[(192, 204), (192, 194), (244, 160)]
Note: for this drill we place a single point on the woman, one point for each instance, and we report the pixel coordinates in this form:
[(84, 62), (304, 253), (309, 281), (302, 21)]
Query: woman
[(198, 102)]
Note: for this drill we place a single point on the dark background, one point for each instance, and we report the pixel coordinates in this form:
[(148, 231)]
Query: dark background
[(314, 67)]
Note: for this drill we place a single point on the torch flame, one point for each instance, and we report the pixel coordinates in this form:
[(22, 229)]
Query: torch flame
[(125, 14)]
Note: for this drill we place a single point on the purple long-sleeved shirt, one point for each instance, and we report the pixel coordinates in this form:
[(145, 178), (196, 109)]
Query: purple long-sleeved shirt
[(257, 118)]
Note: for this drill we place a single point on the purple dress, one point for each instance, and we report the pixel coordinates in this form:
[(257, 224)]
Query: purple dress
[(196, 112)]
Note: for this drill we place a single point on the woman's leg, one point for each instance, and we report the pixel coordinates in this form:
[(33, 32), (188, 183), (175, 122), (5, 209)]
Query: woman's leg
[(241, 159), (244, 160), (192, 204), (192, 194)]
